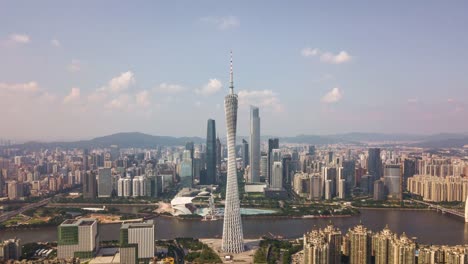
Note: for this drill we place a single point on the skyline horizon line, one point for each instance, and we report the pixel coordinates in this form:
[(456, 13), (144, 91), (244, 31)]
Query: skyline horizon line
[(67, 140)]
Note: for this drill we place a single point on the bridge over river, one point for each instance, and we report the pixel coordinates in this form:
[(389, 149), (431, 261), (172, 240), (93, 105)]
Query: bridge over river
[(459, 213)]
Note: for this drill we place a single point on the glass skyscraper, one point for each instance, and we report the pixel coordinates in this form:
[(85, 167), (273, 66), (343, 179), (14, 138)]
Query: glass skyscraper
[(210, 177), (254, 144)]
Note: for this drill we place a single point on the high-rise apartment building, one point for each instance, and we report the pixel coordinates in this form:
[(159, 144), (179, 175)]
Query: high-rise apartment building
[(255, 154), (359, 245), (136, 242), (10, 250), (210, 177), (77, 238), (233, 237)]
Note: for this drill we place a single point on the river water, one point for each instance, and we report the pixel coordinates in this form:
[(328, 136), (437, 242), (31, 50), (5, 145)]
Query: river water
[(427, 226)]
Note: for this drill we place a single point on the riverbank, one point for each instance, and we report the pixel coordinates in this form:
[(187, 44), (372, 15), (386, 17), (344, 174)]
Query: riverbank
[(443, 229)]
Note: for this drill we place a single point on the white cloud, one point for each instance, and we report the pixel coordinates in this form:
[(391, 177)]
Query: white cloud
[(222, 23), (339, 58), (332, 96), (55, 43), (309, 52), (197, 103), (29, 87), (20, 38), (169, 88), (74, 66), (73, 96), (327, 57), (266, 99), (119, 103), (143, 98), (119, 83), (213, 86)]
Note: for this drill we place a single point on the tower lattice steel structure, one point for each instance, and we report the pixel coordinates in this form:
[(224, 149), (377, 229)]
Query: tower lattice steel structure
[(233, 238)]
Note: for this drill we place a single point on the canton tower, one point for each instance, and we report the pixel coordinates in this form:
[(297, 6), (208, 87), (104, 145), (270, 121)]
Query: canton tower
[(233, 238)]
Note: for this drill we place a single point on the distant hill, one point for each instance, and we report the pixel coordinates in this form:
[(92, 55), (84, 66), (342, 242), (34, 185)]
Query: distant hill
[(141, 140), (457, 142), (123, 140)]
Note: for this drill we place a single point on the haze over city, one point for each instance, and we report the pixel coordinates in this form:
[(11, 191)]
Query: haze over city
[(80, 70)]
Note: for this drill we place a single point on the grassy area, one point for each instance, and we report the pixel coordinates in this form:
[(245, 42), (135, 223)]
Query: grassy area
[(275, 251), (198, 252)]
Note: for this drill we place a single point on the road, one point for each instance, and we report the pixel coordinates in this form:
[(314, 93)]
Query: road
[(8, 215)]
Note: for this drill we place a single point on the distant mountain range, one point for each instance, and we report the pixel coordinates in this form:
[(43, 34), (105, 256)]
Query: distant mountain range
[(141, 140), (123, 140)]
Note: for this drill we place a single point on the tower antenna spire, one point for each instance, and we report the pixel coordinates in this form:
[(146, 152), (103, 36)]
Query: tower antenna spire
[(231, 79)]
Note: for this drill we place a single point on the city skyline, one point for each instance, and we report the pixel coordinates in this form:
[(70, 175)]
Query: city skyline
[(142, 76)]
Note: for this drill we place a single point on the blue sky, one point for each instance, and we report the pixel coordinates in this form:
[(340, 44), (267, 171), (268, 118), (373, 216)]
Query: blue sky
[(81, 69)]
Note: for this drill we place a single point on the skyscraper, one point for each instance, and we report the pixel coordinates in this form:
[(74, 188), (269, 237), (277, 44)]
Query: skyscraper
[(245, 153), (392, 180), (273, 143), (254, 144), (374, 166), (210, 177), (360, 245), (104, 182), (89, 185), (233, 238)]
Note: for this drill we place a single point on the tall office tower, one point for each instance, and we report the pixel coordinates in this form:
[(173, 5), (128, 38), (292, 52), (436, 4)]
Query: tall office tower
[(330, 157), (277, 175), (136, 242), (392, 180), (233, 237), (287, 168), (77, 238), (2, 182), (349, 172), (218, 153), (245, 154), (374, 166), (191, 148), (210, 153), (89, 185), (85, 159), (360, 244), (409, 169), (10, 250), (264, 165), (273, 143), (379, 190), (311, 150), (255, 154), (381, 245), (186, 170), (104, 182)]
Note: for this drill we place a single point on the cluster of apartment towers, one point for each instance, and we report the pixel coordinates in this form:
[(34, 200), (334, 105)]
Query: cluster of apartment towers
[(360, 246)]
